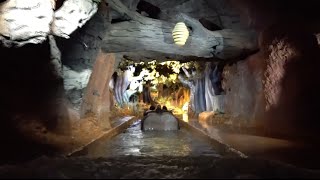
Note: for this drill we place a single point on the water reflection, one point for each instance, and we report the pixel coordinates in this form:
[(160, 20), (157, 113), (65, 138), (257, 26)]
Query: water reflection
[(151, 143)]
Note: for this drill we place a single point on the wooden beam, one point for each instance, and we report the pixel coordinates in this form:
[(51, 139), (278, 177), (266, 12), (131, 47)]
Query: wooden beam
[(146, 34)]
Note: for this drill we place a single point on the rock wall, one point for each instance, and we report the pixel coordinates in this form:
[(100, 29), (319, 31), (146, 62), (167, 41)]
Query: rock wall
[(242, 83), (79, 54), (291, 83), (72, 15), (23, 22), (32, 86), (31, 93), (277, 88)]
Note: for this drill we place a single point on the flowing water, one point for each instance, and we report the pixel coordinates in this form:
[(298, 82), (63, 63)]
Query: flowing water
[(134, 154), (135, 142)]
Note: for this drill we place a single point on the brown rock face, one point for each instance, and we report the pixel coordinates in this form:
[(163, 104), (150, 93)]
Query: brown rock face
[(97, 99), (206, 116), (291, 77), (278, 87), (286, 88)]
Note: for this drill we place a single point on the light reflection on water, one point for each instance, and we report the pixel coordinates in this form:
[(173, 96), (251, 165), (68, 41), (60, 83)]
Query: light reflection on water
[(151, 143)]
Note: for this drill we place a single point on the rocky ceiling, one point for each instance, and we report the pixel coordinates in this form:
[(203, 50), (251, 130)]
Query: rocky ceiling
[(141, 29), (220, 29), (136, 29)]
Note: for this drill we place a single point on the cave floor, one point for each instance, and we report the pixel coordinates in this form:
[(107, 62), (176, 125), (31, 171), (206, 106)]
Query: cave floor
[(39, 141), (134, 154)]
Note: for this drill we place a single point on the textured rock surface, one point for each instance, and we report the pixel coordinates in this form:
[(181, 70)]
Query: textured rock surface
[(72, 15), (243, 85), (318, 38), (78, 55), (276, 88), (55, 57), (290, 84), (74, 84), (23, 22)]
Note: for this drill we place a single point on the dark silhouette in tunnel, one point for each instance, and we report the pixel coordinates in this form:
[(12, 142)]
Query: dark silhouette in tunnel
[(30, 93), (150, 9), (216, 78), (146, 93)]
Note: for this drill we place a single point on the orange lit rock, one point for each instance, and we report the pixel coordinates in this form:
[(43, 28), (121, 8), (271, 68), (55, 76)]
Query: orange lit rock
[(206, 116)]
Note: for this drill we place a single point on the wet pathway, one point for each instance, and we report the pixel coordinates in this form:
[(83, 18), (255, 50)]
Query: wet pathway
[(134, 154), (303, 155), (135, 142)]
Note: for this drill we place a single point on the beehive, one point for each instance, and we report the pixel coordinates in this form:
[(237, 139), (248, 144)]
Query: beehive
[(180, 34)]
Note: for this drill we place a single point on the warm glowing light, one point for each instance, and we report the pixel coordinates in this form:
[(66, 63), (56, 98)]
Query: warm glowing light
[(173, 77), (185, 117), (180, 34), (168, 104), (185, 107)]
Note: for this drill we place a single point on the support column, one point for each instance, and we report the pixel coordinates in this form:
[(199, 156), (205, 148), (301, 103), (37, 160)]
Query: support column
[(97, 97)]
